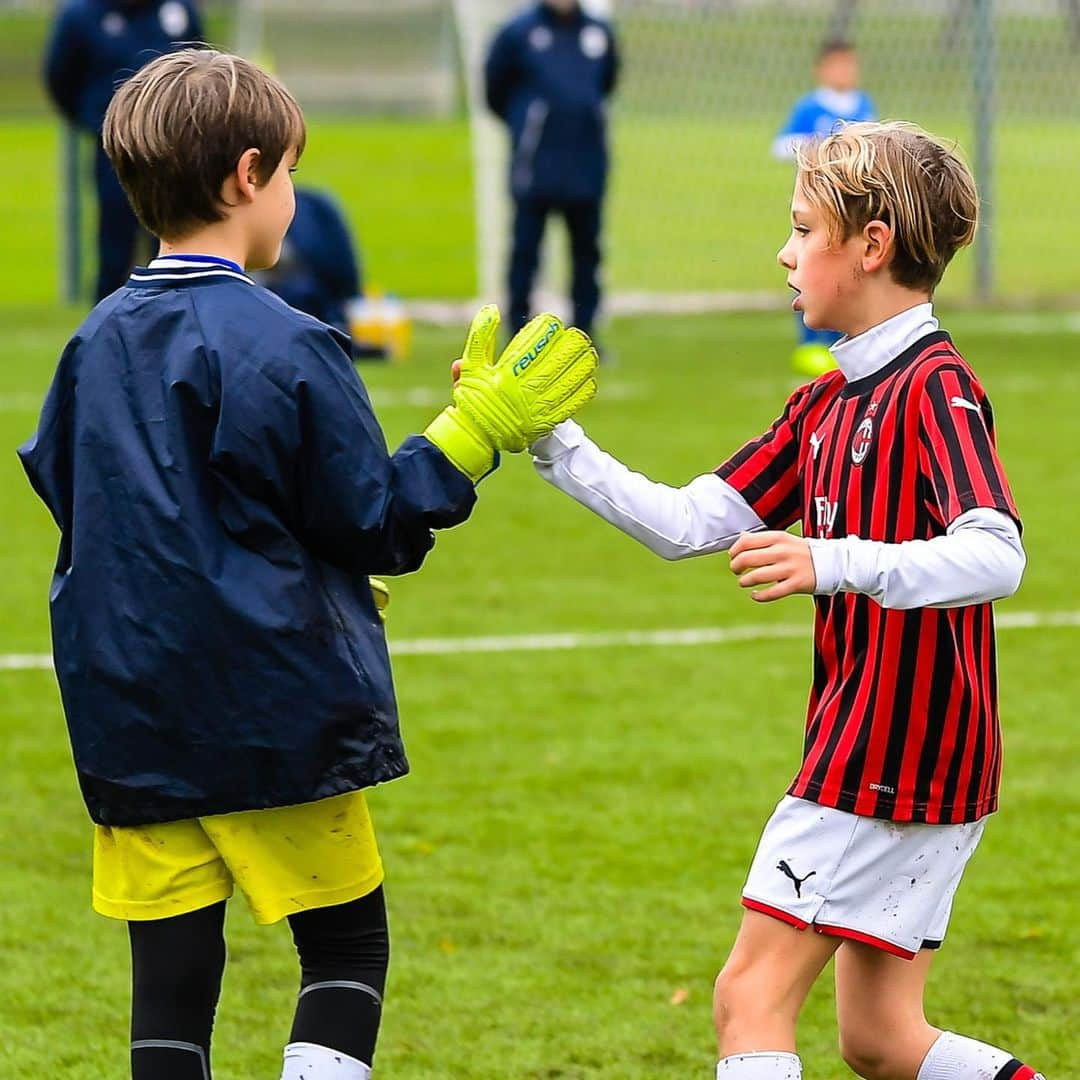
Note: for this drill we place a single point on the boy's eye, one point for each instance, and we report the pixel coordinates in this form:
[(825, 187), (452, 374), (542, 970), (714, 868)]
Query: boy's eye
[(802, 230)]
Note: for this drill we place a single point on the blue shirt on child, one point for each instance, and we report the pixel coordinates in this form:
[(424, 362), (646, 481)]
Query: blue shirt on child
[(817, 114)]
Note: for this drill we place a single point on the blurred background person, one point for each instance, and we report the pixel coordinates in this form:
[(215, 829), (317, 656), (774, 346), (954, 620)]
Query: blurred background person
[(93, 47), (835, 99), (320, 272), (548, 75)]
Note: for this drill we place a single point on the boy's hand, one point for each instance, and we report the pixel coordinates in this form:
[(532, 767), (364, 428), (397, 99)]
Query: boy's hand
[(543, 377), (777, 560)]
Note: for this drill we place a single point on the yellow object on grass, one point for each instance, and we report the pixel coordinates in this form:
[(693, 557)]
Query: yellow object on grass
[(380, 322), (284, 860), (812, 360)]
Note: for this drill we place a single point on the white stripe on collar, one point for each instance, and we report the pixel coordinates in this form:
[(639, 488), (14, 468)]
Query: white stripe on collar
[(194, 260), (871, 350), (188, 274), (181, 268)]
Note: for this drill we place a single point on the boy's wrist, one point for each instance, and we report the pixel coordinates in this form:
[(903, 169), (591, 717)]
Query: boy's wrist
[(561, 440), (465, 445), (828, 559)]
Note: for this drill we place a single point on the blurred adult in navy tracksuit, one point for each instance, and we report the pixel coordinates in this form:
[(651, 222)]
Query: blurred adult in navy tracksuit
[(548, 75), (318, 271), (95, 45)]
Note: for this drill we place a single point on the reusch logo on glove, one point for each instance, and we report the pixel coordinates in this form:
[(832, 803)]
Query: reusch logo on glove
[(535, 351)]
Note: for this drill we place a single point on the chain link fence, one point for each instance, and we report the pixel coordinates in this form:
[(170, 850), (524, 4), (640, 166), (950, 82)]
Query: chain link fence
[(697, 205)]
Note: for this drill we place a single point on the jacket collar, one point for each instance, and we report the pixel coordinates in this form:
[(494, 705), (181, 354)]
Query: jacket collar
[(187, 269)]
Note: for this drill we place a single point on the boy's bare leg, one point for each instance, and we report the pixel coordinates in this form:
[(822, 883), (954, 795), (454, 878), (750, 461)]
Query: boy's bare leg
[(764, 983), (884, 1033)]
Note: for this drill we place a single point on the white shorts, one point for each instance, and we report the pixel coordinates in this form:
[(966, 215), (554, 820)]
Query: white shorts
[(884, 883)]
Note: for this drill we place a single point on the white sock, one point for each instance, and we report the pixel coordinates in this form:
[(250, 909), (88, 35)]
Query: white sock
[(956, 1057), (309, 1061), (769, 1066)]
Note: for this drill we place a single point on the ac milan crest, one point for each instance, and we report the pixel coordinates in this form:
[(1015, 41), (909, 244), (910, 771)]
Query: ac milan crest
[(860, 442)]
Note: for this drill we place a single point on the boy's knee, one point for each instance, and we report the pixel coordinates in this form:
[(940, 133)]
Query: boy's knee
[(734, 998), (866, 1056), (344, 941)]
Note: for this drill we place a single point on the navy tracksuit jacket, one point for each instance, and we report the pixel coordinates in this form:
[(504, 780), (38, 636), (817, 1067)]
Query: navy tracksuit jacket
[(547, 77), (222, 490)]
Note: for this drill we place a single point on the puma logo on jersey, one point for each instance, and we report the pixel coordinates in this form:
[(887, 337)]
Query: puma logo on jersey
[(797, 881), (815, 444), (826, 515), (963, 403)]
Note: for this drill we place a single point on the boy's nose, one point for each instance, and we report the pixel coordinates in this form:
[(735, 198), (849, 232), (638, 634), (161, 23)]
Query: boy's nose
[(783, 257)]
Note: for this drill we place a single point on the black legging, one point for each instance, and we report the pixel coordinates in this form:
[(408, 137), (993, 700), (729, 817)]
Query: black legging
[(177, 964)]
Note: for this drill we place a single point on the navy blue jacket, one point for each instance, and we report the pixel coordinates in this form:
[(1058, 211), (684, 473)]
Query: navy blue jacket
[(318, 271), (96, 44), (547, 76), (222, 490)]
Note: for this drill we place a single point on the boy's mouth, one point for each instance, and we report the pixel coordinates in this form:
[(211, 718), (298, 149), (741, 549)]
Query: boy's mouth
[(795, 305)]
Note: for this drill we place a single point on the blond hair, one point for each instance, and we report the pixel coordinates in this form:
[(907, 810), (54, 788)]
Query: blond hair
[(899, 174), (177, 128)]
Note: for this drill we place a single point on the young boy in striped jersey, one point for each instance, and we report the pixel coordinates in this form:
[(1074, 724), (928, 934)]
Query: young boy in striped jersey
[(909, 532)]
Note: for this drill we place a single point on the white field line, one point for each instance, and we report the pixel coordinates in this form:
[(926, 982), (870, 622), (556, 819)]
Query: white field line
[(704, 635)]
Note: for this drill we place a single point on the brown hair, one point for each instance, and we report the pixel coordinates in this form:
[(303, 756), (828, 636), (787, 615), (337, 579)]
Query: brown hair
[(897, 173), (177, 128), (831, 46)]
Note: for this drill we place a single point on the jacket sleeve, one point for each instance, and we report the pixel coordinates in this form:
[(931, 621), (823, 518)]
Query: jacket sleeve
[(703, 516), (47, 456), (501, 73), (978, 560), (300, 446), (613, 63), (65, 68)]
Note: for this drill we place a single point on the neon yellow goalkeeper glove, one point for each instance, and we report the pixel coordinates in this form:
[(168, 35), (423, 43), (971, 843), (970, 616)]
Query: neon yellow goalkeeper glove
[(380, 593), (543, 376)]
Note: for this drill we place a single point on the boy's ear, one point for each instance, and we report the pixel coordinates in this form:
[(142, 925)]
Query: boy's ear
[(878, 246), (240, 185)]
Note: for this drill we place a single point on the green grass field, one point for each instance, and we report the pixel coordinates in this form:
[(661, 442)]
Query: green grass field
[(696, 202), (564, 862), (565, 859), (406, 188)]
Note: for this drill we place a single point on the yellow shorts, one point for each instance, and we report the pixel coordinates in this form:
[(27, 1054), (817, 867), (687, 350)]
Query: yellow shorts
[(285, 859)]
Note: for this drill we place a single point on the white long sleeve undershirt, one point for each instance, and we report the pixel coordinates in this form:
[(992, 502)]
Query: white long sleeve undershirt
[(978, 560)]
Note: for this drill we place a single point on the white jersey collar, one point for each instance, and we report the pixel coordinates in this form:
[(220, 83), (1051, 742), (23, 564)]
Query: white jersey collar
[(870, 351)]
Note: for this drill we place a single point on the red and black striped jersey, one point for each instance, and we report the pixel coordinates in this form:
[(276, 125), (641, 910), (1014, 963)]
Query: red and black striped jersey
[(902, 721)]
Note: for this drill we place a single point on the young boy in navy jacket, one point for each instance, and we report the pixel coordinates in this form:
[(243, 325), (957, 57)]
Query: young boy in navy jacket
[(223, 490)]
